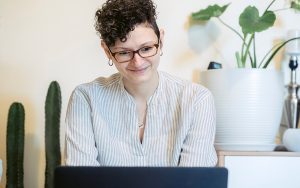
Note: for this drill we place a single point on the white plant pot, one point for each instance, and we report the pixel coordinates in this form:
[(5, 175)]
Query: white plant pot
[(249, 104)]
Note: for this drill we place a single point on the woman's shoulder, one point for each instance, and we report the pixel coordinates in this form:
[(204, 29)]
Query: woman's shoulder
[(107, 81), (172, 82), (189, 92), (100, 83)]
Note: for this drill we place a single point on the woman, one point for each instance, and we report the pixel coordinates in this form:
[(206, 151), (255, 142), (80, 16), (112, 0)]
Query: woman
[(138, 116)]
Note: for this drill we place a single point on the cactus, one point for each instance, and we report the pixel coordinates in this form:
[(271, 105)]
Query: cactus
[(52, 112), (15, 146)]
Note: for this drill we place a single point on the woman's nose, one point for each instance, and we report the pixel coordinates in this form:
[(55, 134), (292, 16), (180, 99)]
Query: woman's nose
[(137, 59)]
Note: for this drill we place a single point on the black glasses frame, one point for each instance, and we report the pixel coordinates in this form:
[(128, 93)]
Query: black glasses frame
[(133, 53)]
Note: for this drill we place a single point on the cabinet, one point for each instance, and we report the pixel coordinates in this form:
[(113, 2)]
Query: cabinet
[(261, 169)]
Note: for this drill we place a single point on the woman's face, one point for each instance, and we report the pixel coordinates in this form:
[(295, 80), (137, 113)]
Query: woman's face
[(139, 69)]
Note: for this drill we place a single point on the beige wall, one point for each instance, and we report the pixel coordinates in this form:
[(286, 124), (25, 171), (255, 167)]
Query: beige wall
[(45, 40)]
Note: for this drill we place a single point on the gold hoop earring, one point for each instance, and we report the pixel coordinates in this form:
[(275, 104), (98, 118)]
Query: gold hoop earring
[(110, 63)]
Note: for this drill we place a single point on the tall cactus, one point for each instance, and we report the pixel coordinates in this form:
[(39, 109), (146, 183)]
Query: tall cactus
[(15, 146), (52, 113)]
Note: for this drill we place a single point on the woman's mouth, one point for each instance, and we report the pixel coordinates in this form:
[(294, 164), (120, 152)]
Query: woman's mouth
[(139, 70)]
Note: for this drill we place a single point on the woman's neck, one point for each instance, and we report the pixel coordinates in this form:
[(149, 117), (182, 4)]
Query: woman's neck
[(142, 91)]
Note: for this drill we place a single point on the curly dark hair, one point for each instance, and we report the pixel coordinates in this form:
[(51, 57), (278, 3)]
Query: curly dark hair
[(117, 18)]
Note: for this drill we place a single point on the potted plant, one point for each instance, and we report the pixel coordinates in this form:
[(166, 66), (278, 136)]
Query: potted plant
[(249, 100)]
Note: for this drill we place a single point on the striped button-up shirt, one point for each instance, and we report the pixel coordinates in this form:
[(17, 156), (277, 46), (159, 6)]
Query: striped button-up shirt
[(102, 125)]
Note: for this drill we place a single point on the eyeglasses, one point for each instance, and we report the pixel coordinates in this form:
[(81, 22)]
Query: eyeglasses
[(127, 55)]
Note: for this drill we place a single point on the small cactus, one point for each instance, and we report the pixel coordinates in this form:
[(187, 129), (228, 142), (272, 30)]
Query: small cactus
[(15, 146), (52, 124)]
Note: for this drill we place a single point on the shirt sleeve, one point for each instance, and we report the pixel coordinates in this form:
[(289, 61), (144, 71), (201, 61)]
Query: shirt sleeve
[(80, 148), (198, 147)]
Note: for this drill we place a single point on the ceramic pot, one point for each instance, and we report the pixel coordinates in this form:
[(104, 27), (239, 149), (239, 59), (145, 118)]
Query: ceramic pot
[(249, 105)]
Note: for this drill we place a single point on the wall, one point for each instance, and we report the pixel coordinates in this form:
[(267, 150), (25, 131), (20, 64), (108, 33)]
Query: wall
[(45, 40)]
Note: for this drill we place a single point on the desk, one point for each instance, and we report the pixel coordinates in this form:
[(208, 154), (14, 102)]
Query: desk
[(261, 169)]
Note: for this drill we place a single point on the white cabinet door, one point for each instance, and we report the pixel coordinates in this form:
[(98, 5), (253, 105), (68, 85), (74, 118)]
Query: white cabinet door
[(263, 171)]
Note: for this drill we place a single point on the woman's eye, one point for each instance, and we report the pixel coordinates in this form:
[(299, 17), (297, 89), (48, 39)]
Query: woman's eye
[(123, 53), (147, 48)]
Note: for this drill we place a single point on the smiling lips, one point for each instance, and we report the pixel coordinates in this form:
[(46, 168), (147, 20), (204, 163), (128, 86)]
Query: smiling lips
[(138, 71)]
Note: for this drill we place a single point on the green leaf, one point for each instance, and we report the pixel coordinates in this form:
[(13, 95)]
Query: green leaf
[(295, 5), (209, 12), (251, 22)]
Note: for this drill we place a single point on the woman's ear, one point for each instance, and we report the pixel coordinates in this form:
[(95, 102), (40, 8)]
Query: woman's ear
[(106, 50), (162, 34)]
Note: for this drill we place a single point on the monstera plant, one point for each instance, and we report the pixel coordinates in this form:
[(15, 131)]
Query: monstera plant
[(251, 23)]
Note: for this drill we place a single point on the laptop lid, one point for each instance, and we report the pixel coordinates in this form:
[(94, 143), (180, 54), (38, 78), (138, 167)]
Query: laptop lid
[(140, 177)]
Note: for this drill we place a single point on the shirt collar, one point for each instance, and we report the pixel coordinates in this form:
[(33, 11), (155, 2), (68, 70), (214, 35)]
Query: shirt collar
[(154, 99)]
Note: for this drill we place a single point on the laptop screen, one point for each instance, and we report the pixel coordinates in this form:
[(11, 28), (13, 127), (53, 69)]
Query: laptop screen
[(140, 177)]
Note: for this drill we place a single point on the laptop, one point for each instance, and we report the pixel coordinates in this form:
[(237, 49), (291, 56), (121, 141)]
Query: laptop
[(140, 177)]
